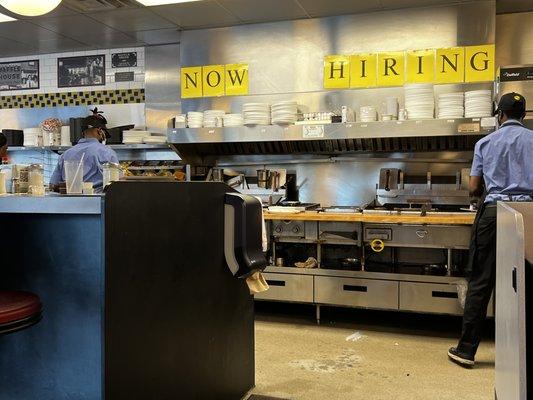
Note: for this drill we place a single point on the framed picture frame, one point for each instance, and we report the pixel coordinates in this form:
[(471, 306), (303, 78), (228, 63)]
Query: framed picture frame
[(19, 75), (81, 71)]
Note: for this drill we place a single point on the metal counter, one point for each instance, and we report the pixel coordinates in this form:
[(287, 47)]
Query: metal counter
[(51, 204)]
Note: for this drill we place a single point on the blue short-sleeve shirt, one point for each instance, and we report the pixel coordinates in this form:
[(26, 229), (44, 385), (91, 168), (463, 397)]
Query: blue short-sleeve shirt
[(505, 160), (96, 154)]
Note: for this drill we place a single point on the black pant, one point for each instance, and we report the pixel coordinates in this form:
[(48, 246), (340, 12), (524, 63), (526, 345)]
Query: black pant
[(482, 279)]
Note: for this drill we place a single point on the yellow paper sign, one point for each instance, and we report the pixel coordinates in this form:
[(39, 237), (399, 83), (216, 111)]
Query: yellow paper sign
[(363, 70), (391, 68), (479, 63), (237, 79), (420, 66), (191, 82), (213, 80), (450, 65), (336, 72)]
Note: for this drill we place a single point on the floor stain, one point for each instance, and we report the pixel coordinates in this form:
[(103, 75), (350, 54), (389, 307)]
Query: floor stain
[(348, 359)]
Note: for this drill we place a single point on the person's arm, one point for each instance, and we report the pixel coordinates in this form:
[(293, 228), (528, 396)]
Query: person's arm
[(476, 185), (57, 175)]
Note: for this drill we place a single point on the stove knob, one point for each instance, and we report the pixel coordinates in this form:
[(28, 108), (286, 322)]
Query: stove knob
[(278, 229), (296, 229)]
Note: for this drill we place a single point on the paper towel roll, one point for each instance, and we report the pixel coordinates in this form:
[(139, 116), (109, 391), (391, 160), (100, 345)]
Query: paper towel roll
[(65, 136)]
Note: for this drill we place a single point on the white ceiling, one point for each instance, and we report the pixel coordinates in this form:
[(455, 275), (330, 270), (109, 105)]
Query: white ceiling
[(73, 27)]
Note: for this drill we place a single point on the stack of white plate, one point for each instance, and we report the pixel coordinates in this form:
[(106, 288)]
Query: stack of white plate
[(195, 119), (478, 103), (256, 113), (134, 136), (368, 114), (213, 118), (233, 120), (451, 105), (419, 101), (155, 139), (33, 137), (285, 112)]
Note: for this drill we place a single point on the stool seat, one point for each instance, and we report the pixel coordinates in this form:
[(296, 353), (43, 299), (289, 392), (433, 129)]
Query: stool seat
[(18, 310)]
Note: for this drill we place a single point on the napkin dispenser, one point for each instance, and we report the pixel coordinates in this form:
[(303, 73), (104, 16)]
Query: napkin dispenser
[(243, 235)]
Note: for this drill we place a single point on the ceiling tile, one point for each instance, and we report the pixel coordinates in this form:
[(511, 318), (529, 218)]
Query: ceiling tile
[(61, 44), (254, 11), (322, 8), (197, 14), (130, 20), (59, 11), (24, 31), (158, 36), (74, 26), (11, 48), (395, 4), (108, 39), (513, 6)]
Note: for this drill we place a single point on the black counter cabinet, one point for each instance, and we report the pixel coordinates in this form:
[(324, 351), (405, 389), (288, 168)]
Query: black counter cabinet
[(138, 300)]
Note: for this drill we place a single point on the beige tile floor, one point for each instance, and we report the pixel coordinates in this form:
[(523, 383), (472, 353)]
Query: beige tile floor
[(394, 356)]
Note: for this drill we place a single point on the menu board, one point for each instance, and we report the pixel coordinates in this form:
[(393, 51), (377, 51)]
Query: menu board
[(19, 75), (124, 60)]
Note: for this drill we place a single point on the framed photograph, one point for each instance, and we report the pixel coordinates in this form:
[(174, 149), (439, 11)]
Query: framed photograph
[(19, 75), (81, 71)]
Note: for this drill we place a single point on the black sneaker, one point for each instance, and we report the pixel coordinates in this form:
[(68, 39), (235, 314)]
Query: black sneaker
[(461, 358)]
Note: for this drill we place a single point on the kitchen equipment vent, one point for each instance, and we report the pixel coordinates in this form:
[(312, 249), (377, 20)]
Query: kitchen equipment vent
[(100, 5)]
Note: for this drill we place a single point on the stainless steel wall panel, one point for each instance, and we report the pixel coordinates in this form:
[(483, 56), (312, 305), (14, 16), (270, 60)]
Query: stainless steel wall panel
[(162, 80)]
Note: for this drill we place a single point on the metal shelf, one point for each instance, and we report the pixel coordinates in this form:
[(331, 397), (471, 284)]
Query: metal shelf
[(113, 146), (338, 131)]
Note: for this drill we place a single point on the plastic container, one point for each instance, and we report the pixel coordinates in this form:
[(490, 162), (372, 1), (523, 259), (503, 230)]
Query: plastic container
[(74, 176)]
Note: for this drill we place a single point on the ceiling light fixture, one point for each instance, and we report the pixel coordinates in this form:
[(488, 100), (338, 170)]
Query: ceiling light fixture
[(162, 2), (30, 8)]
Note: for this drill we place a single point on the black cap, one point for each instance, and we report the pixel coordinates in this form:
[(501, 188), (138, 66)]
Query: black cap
[(96, 120), (512, 102)]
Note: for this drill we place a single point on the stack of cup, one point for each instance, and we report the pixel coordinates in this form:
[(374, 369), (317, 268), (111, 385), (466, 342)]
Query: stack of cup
[(368, 114), (391, 109)]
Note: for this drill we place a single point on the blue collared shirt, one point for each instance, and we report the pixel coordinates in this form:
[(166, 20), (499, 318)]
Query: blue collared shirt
[(504, 159), (96, 154)]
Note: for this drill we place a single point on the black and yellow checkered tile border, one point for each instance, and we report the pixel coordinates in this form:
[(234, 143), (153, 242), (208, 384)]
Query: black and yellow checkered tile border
[(73, 99)]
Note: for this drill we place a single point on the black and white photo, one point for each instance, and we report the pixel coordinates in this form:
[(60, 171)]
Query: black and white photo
[(81, 71), (19, 75)]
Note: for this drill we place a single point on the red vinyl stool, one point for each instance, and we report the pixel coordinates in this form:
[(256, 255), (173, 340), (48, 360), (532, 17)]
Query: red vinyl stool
[(18, 310)]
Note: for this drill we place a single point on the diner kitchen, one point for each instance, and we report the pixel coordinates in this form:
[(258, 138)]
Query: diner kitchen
[(265, 199)]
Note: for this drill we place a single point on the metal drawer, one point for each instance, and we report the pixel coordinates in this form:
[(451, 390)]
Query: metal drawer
[(429, 298), (288, 287), (348, 232), (366, 293), (436, 236)]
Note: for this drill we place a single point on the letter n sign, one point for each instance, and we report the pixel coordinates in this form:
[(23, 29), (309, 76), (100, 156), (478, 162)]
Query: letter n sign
[(191, 82), (214, 80)]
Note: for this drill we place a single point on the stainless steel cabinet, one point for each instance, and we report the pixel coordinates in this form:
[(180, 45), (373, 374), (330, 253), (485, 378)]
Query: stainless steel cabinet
[(288, 287), (366, 293), (429, 298), (434, 236), (339, 232)]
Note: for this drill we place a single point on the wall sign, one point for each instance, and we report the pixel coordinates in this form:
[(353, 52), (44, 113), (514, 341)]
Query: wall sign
[(124, 60), (214, 81), (450, 65), (81, 71), (124, 76), (19, 75)]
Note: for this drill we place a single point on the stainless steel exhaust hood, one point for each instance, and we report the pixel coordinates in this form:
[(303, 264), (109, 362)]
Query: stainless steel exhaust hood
[(207, 145)]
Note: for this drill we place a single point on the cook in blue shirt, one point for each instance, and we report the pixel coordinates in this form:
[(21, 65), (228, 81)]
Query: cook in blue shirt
[(94, 155), (503, 171)]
